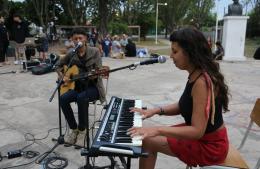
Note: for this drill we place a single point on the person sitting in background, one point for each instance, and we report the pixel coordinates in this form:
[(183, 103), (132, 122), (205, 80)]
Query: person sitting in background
[(116, 48), (257, 54), (123, 42), (219, 53), (130, 49)]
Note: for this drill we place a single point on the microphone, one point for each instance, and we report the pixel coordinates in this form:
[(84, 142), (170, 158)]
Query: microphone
[(160, 59), (78, 45)]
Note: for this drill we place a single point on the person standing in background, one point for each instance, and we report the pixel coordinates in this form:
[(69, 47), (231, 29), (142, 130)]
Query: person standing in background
[(19, 32), (42, 48), (106, 46), (51, 32), (94, 37), (4, 39)]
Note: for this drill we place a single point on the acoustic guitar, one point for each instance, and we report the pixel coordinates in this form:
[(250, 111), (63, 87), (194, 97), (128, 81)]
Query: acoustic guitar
[(73, 74)]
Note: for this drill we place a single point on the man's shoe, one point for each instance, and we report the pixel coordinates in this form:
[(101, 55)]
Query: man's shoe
[(80, 139), (16, 62), (71, 137)]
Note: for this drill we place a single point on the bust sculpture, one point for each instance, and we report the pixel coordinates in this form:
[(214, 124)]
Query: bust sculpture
[(235, 9)]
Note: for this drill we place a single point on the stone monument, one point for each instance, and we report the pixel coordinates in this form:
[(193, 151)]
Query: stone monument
[(235, 9), (234, 32)]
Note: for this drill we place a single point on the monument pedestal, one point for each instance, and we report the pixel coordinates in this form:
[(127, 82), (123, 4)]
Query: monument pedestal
[(234, 35)]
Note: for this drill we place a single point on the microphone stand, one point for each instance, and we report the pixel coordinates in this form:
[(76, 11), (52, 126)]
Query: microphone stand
[(60, 139)]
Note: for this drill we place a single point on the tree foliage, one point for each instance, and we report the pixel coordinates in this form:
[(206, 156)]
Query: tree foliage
[(3, 5), (199, 12), (108, 14), (253, 26), (174, 13)]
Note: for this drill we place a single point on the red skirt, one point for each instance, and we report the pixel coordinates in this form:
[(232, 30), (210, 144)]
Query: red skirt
[(211, 149)]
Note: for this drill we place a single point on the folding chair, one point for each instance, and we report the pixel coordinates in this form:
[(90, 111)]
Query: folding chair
[(255, 117)]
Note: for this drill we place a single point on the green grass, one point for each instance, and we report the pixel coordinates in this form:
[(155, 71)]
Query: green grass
[(162, 51), (149, 43), (250, 46)]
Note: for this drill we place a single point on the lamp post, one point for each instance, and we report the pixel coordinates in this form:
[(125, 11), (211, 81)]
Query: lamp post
[(156, 21), (216, 34)]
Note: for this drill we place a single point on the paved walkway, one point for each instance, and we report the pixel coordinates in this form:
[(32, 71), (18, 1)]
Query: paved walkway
[(24, 107)]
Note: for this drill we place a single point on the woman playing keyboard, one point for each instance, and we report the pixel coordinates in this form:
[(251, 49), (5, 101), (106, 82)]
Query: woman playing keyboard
[(202, 140)]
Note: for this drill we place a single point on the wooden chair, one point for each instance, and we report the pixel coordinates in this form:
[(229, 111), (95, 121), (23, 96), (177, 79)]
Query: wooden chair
[(233, 161), (255, 118)]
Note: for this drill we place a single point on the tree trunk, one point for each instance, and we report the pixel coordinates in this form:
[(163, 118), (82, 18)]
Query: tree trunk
[(38, 10), (71, 13), (103, 15)]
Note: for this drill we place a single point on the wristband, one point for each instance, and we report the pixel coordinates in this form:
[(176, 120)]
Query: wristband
[(161, 111)]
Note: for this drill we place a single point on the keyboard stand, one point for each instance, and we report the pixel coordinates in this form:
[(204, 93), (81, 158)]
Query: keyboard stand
[(111, 166), (88, 165), (126, 164), (101, 147)]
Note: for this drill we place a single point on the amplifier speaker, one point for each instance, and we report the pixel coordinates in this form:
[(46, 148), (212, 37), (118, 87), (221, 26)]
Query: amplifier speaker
[(27, 65)]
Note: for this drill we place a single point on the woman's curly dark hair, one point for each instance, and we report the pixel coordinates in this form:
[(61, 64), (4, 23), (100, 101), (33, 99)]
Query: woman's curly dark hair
[(195, 45)]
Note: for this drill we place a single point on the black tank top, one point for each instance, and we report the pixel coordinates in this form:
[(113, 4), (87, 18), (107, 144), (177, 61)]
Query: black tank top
[(185, 104)]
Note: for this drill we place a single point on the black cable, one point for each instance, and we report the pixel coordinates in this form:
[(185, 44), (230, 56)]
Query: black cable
[(30, 154), (46, 135), (92, 133), (33, 139), (101, 114), (49, 163)]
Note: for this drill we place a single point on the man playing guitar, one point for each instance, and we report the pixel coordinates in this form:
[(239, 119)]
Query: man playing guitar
[(83, 61)]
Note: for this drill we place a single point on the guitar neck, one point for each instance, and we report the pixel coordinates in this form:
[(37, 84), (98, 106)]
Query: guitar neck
[(98, 72), (82, 76)]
